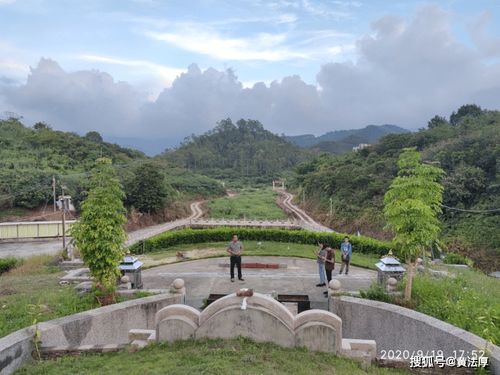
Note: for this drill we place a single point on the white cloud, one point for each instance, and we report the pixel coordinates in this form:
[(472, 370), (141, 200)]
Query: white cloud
[(166, 72), (407, 71), (205, 41), (12, 67), (487, 44)]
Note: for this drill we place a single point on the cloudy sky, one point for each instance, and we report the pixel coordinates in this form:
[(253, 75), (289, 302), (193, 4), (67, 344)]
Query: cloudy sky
[(139, 70)]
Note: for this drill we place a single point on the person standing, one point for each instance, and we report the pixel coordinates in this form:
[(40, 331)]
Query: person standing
[(329, 263), (235, 248), (346, 253), (321, 257), (329, 266)]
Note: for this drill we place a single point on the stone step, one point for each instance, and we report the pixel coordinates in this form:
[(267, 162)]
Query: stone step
[(140, 334)]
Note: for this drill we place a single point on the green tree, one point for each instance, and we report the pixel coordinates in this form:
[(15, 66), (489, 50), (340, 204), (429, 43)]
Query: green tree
[(472, 110), (41, 126), (437, 121), (94, 137), (412, 205), (99, 234), (148, 191)]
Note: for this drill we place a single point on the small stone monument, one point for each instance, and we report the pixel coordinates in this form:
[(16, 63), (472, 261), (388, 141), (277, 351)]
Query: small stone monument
[(389, 267), (131, 267)]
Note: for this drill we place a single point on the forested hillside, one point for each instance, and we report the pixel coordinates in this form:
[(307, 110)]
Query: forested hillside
[(342, 141), (466, 146), (244, 149), (30, 157)]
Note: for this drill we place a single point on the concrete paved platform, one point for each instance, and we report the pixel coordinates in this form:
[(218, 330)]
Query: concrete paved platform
[(206, 276), (25, 249)]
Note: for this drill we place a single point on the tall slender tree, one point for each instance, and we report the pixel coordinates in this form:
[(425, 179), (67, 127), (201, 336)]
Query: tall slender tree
[(99, 234), (148, 190), (412, 205)]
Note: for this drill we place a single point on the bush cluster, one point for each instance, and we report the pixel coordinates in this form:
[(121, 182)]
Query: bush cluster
[(186, 236), (452, 258), (6, 264)]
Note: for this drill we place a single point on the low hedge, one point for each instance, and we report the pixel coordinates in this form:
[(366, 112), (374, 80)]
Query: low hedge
[(187, 236), (6, 264)]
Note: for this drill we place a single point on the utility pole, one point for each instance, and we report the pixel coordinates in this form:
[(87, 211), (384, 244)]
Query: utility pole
[(63, 216), (54, 191)]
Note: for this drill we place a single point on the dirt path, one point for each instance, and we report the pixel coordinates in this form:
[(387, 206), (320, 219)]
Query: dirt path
[(307, 221), (144, 233)]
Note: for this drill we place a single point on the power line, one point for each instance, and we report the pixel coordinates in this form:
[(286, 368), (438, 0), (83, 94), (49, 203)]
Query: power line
[(471, 211)]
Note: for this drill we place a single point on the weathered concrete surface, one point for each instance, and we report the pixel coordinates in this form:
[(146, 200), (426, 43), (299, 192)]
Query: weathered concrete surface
[(15, 349), (176, 322), (25, 249), (318, 330), (105, 325), (263, 320), (203, 277), (318, 336), (99, 328), (174, 328), (397, 328)]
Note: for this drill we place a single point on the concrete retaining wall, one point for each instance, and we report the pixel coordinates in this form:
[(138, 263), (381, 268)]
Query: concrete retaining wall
[(102, 326), (258, 317), (397, 329), (15, 349)]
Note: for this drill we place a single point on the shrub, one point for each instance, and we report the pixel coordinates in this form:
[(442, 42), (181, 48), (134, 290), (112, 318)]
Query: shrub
[(469, 301), (6, 264), (377, 293), (187, 236), (452, 258)]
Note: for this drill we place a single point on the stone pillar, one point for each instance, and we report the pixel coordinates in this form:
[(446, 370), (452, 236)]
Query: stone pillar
[(178, 287), (334, 289), (391, 284)]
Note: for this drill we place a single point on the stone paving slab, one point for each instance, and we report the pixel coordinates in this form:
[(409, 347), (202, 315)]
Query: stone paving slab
[(205, 276)]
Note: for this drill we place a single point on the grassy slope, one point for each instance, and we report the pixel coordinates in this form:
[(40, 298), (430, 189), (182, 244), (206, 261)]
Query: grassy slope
[(239, 356), (32, 292), (268, 249), (250, 203), (469, 300)]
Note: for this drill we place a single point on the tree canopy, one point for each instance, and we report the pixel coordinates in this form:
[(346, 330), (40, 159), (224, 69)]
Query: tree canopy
[(235, 150), (99, 234), (468, 153), (30, 157), (412, 205), (148, 192)]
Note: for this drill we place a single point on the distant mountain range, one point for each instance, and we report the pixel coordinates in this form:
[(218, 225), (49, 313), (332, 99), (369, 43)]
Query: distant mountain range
[(342, 141), (337, 142)]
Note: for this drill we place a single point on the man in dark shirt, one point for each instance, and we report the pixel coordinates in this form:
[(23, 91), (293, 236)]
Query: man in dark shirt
[(235, 248)]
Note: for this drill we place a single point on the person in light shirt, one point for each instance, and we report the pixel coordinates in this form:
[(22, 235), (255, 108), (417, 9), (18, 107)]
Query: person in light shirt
[(235, 249), (346, 254)]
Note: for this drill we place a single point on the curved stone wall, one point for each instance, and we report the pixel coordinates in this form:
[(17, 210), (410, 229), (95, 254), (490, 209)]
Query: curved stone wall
[(398, 329), (108, 325), (260, 318)]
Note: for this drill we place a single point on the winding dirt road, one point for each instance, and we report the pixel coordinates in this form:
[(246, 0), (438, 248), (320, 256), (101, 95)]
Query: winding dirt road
[(307, 221), (142, 234), (31, 248)]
